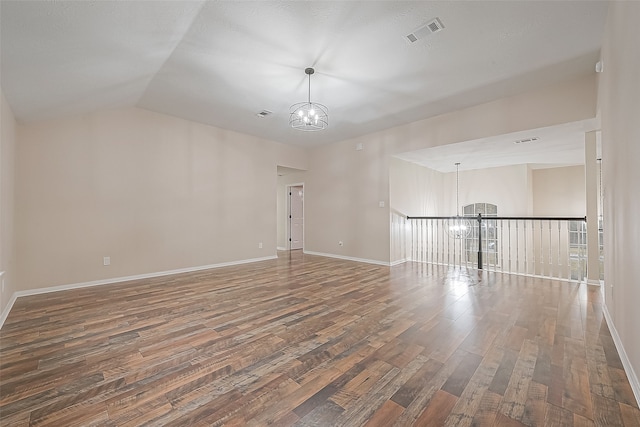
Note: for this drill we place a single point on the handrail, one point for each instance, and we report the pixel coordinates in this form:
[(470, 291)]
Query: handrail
[(506, 218), (480, 239)]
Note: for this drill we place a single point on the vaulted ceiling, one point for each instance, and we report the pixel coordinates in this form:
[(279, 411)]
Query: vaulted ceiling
[(222, 62)]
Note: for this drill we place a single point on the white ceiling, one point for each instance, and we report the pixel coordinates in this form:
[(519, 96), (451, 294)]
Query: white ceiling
[(222, 62)]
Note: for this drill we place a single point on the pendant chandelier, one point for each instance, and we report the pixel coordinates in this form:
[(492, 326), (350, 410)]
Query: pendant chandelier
[(458, 228), (309, 116)]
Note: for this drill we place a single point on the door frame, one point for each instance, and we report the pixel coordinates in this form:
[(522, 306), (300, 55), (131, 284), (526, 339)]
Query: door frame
[(288, 214)]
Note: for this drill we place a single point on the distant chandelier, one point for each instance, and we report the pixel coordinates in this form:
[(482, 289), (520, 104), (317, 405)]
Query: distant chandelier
[(309, 116), (458, 228)]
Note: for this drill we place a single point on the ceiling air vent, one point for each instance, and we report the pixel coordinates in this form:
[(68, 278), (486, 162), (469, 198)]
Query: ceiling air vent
[(264, 113), (526, 140), (433, 26)]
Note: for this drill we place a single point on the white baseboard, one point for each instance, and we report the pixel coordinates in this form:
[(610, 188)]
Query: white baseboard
[(633, 378), (348, 258), (281, 248), (7, 309), (398, 262), (38, 291)]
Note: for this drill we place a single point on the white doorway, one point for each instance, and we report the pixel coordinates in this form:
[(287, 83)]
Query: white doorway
[(295, 195)]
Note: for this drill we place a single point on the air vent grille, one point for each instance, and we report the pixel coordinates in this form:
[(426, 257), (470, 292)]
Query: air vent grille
[(435, 25), (264, 113), (431, 27), (526, 140)]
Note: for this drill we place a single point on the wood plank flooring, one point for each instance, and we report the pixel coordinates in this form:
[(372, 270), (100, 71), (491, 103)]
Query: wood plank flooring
[(312, 341)]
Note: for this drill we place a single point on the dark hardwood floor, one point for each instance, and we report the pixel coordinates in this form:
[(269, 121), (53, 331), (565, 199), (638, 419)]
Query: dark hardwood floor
[(306, 340)]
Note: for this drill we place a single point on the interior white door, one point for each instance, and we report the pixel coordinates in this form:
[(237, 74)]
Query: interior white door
[(296, 217)]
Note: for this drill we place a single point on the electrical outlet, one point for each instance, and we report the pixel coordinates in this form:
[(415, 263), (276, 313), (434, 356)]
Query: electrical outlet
[(106, 260), (340, 243), (260, 245)]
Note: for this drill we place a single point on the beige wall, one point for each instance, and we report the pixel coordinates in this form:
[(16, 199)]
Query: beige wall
[(7, 167), (419, 191), (620, 106), (516, 190), (506, 187), (153, 192), (566, 102), (282, 205), (416, 190), (344, 186), (343, 190), (559, 192)]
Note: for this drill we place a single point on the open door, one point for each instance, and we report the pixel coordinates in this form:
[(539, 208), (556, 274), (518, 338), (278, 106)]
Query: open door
[(296, 217)]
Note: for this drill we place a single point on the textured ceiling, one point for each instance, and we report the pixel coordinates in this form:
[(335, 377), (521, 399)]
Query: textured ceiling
[(222, 62)]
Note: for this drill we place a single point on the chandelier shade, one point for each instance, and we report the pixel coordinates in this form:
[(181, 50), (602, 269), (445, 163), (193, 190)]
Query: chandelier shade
[(309, 116)]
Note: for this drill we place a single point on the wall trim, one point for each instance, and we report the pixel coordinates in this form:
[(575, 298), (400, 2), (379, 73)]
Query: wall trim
[(58, 288), (348, 258), (398, 262), (7, 309), (281, 248), (628, 368)]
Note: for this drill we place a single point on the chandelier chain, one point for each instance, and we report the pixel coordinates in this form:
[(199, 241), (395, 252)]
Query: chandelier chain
[(457, 189), (458, 228)]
